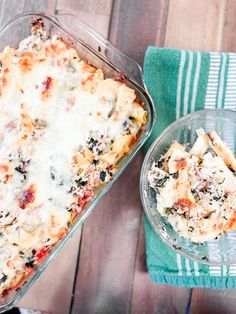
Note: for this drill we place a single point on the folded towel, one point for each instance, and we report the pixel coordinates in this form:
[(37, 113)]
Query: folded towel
[(181, 82)]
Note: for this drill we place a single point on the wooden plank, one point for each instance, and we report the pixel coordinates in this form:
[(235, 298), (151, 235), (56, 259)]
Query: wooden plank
[(135, 25), (11, 8), (95, 13), (102, 7), (108, 249), (213, 301), (229, 34), (150, 298), (195, 24), (47, 6), (52, 292), (7, 13)]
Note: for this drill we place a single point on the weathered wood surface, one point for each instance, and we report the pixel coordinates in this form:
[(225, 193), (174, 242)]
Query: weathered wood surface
[(209, 301), (106, 272), (195, 24), (149, 298)]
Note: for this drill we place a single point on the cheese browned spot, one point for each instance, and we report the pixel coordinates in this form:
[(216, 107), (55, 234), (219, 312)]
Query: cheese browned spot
[(63, 129)]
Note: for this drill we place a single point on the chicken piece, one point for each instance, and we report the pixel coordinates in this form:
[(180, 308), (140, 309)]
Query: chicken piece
[(175, 146), (201, 145), (222, 150)]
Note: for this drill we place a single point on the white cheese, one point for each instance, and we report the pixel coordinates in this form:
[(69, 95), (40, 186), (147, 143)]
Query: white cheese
[(47, 116)]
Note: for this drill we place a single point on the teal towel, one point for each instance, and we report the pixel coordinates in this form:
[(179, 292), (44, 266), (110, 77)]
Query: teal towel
[(181, 82)]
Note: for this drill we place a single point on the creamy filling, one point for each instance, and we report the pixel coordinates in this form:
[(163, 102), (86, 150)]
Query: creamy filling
[(196, 193)]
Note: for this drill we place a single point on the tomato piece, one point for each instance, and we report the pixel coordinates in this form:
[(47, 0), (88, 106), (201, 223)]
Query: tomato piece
[(27, 197), (41, 254), (181, 163), (47, 85), (183, 203), (231, 222)]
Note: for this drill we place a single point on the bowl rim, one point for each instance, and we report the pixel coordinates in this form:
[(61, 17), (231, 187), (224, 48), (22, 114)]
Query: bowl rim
[(157, 226)]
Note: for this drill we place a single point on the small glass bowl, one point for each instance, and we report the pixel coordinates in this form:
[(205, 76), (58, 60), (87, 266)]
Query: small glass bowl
[(215, 252)]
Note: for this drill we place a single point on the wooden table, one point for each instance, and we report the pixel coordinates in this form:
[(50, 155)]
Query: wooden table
[(102, 269)]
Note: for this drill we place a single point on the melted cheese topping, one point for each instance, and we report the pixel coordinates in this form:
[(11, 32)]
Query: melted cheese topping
[(63, 128), (196, 192)]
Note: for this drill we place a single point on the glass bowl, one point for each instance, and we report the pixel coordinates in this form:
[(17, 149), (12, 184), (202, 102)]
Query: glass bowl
[(215, 252)]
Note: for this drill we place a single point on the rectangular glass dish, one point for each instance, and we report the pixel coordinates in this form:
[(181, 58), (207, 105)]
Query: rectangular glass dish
[(100, 53)]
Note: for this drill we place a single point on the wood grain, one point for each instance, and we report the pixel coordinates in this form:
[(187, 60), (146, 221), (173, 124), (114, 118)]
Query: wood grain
[(134, 26), (229, 33), (102, 7), (42, 5), (13, 7), (195, 24), (150, 298), (210, 301), (95, 13), (7, 13)]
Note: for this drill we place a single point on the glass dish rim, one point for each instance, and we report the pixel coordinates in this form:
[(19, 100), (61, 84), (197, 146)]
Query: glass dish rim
[(157, 226), (152, 112)]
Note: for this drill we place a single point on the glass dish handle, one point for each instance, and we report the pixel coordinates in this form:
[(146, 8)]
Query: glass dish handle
[(102, 46)]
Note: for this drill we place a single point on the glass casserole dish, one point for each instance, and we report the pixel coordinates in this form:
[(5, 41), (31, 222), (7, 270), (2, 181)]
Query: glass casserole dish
[(101, 54)]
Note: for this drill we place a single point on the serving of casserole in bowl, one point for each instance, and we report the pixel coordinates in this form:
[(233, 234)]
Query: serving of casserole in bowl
[(188, 186), (72, 118)]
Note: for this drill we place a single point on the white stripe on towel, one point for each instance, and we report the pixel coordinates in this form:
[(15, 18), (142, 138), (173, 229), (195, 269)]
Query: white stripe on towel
[(196, 269), (187, 265), (187, 83), (213, 76), (230, 94), (230, 103), (222, 81), (179, 84), (178, 260), (195, 81)]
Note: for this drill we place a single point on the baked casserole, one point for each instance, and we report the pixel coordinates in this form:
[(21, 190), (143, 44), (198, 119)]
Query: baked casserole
[(196, 188), (63, 129)]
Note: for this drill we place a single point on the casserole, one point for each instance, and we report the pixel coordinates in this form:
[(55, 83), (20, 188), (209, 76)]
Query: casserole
[(104, 59), (196, 187), (217, 252)]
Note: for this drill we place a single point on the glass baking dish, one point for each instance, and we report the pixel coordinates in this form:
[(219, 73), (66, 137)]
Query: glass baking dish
[(102, 54)]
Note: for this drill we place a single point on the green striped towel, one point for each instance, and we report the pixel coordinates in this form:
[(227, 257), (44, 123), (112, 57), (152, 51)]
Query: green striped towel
[(181, 82)]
